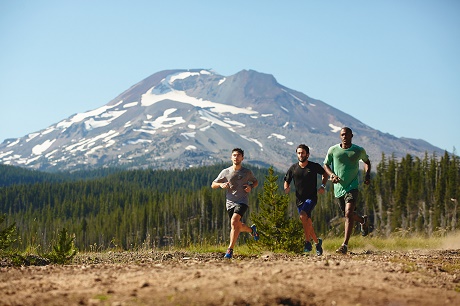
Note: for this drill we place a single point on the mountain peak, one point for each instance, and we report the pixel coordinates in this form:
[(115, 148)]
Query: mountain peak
[(193, 117)]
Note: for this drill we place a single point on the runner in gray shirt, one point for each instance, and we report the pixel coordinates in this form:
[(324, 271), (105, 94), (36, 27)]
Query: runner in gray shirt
[(238, 182)]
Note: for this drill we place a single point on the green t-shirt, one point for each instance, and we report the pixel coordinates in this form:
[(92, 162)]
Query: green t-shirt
[(345, 164)]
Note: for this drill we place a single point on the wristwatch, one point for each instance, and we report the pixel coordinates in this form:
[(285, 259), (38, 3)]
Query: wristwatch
[(324, 186)]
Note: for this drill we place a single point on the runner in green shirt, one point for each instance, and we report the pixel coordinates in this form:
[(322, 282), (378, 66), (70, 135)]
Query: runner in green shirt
[(342, 165)]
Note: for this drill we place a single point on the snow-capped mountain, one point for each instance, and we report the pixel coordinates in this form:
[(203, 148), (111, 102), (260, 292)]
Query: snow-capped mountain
[(182, 118)]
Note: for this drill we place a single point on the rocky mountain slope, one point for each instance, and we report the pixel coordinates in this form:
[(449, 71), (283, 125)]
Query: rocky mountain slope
[(189, 118)]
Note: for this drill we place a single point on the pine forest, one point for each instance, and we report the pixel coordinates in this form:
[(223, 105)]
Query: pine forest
[(130, 209)]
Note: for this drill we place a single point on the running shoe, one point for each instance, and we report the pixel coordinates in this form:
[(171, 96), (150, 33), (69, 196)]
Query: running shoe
[(229, 253), (365, 226), (319, 247), (307, 247), (342, 250), (254, 232)]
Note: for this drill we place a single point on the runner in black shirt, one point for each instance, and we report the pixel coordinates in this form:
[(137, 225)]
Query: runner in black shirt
[(304, 173)]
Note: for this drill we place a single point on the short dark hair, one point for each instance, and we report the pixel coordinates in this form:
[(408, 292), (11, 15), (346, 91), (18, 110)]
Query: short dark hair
[(239, 151), (303, 146), (347, 129)]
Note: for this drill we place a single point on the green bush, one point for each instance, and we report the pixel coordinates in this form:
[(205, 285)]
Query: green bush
[(7, 235), (64, 251)]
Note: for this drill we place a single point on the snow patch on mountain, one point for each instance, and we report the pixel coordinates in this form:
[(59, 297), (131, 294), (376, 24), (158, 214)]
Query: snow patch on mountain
[(31, 160), (165, 121), (210, 117), (294, 96), (85, 144), (234, 122), (48, 130), (39, 149), (131, 104), (50, 154), (139, 141), (277, 136), (13, 143), (253, 140), (189, 135), (151, 132), (164, 91), (32, 136), (82, 116), (152, 97), (203, 129), (180, 76), (2, 155), (103, 119), (334, 128)]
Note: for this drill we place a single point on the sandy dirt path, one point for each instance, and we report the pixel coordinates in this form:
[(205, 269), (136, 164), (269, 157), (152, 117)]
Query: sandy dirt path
[(177, 278)]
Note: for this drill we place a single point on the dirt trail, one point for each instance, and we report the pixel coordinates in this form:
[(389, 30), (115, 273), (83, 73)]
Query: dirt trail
[(424, 277)]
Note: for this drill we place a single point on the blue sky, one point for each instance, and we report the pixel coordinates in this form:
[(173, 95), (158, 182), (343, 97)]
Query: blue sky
[(394, 65)]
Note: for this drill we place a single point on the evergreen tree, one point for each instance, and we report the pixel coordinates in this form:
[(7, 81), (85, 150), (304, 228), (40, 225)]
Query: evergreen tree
[(7, 235), (277, 230), (64, 250)]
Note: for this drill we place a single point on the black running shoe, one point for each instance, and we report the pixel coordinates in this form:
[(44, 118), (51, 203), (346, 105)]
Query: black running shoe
[(342, 250), (319, 247), (307, 247)]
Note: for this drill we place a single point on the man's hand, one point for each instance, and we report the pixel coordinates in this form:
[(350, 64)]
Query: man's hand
[(287, 189), (367, 179), (335, 179)]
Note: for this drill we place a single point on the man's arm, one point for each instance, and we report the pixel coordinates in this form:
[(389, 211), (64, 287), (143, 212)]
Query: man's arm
[(329, 172), (215, 185), (287, 187), (324, 178), (367, 169), (322, 188)]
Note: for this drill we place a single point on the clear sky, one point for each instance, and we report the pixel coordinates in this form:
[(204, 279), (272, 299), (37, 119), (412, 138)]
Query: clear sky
[(394, 65)]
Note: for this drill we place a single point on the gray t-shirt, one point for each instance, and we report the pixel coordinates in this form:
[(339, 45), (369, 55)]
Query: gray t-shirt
[(238, 180)]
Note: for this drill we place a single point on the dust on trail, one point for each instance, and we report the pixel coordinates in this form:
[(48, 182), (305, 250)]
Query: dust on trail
[(420, 277), (451, 241)]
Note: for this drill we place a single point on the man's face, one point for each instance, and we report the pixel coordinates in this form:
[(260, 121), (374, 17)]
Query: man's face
[(346, 136), (302, 155), (237, 158)]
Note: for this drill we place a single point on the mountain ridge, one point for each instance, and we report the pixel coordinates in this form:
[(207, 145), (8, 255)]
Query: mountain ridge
[(186, 118)]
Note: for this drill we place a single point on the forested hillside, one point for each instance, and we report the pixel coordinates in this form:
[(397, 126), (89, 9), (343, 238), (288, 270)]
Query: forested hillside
[(125, 209), (11, 175), (129, 209)]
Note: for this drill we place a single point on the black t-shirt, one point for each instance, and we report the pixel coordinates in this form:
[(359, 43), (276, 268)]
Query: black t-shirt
[(305, 180)]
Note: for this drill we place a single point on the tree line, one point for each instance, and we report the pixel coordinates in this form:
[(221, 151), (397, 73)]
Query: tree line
[(129, 209)]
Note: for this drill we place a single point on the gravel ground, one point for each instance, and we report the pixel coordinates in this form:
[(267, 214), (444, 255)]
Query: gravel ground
[(419, 277)]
